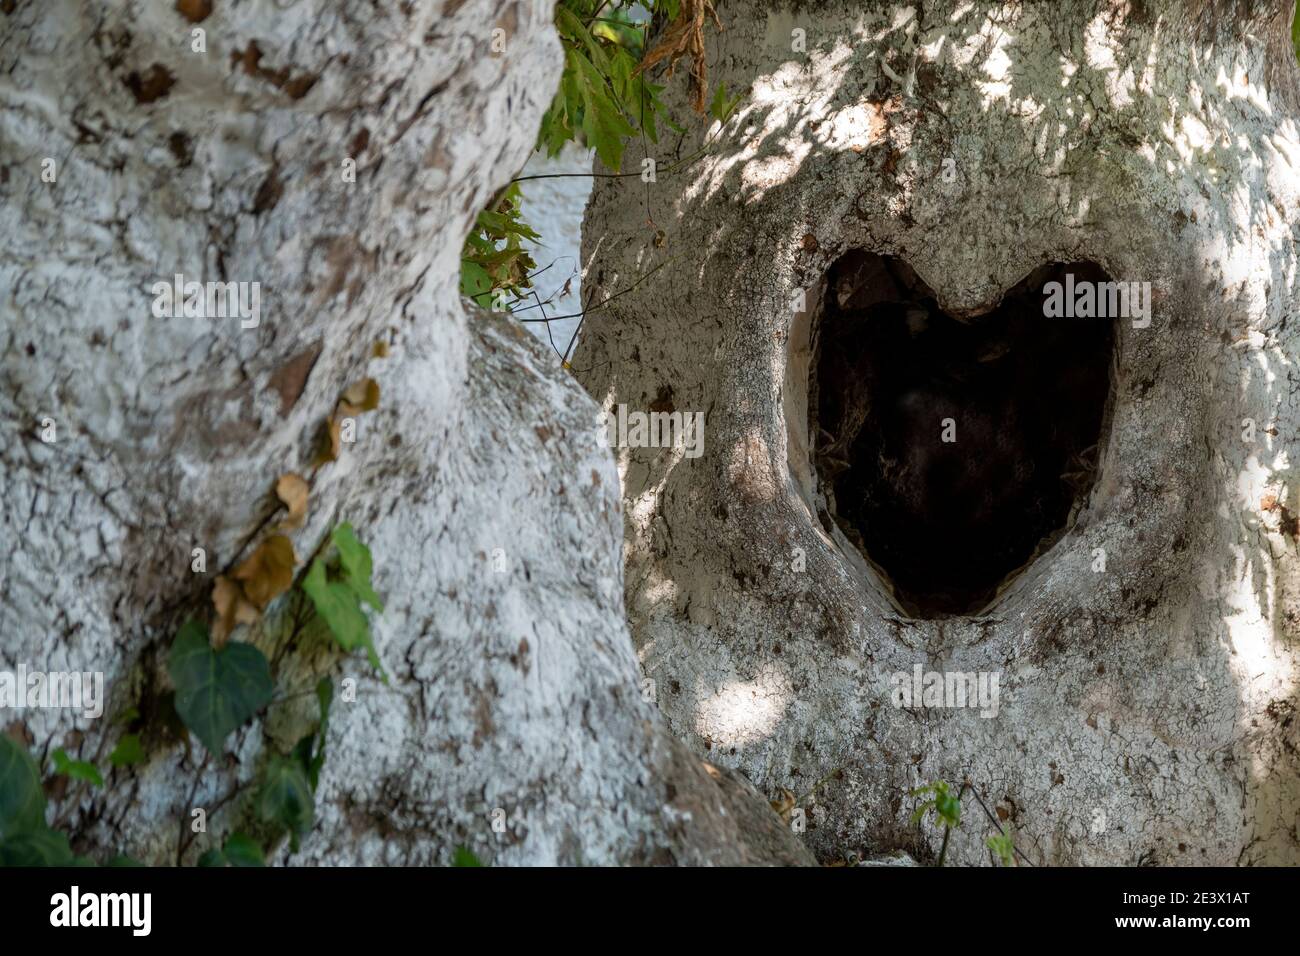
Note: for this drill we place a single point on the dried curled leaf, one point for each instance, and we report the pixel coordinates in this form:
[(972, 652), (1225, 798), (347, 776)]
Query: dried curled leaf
[(684, 36), (232, 608), (363, 395), (1288, 523), (293, 490), (267, 572)]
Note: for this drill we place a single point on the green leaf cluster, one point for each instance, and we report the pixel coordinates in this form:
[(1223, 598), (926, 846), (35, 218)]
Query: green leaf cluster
[(494, 257), (238, 850), (286, 798), (940, 799), (25, 838), (1004, 845), (217, 690), (602, 102)]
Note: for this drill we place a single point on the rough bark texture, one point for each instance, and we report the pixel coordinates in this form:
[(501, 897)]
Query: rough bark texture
[(514, 689), (1147, 711)]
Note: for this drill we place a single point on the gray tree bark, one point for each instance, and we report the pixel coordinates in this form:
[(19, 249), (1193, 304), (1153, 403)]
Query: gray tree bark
[(512, 680), (1147, 710)]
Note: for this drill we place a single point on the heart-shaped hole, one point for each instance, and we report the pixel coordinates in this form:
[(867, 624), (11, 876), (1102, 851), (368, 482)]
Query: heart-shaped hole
[(952, 452)]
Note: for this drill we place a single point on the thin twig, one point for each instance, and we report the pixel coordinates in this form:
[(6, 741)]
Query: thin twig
[(997, 823), (578, 328), (549, 337), (186, 837), (605, 302)]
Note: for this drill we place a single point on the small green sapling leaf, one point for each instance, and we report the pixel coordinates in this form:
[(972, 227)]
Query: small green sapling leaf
[(129, 751), (76, 769)]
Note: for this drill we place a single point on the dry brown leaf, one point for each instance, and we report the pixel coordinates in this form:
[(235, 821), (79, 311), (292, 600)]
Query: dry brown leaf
[(293, 490), (290, 379), (196, 11), (785, 804), (334, 437), (363, 395), (330, 441), (268, 571), (232, 609), (381, 349), (684, 36), (1268, 503)]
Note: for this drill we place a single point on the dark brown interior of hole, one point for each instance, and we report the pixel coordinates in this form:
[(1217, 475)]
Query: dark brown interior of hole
[(947, 522)]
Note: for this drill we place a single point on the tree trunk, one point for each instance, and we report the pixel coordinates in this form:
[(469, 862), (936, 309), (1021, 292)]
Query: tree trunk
[(513, 693), (926, 160)]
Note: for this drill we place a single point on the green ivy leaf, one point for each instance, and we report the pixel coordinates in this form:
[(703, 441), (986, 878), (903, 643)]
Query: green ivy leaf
[(128, 752), (38, 847), (324, 697), (357, 564), (217, 691), (310, 750), (240, 850), (243, 850), (76, 769), (22, 801), (465, 857), (339, 606), (285, 798)]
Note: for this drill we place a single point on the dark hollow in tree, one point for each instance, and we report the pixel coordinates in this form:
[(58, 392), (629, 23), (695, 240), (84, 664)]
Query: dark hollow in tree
[(948, 523)]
